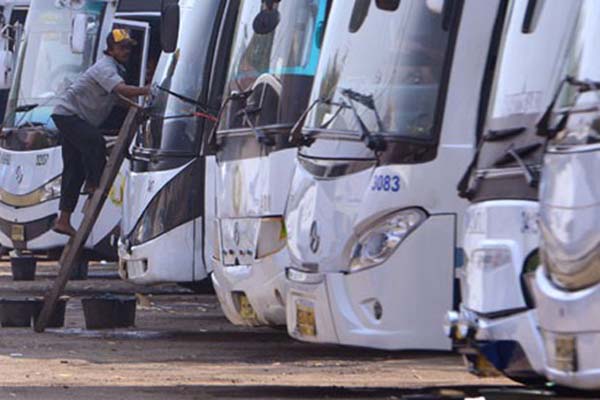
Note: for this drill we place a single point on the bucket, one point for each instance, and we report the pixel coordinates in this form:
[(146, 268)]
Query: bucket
[(109, 311), (23, 268), (18, 312)]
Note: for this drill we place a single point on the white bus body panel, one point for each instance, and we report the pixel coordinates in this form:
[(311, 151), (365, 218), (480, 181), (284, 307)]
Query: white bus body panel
[(23, 172), (411, 290), (509, 225), (414, 286), (569, 201), (574, 315), (175, 256), (569, 195), (253, 188)]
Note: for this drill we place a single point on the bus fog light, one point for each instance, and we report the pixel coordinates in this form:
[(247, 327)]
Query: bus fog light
[(377, 243), (491, 258)]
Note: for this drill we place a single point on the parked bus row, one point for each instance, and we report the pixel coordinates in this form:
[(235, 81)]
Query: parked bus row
[(413, 174)]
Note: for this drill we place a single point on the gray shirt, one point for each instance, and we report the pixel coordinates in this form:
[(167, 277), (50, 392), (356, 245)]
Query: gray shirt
[(91, 96)]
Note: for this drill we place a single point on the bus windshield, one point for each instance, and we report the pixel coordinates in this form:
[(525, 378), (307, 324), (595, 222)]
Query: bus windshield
[(173, 126), (521, 89), (281, 60), (385, 61), (47, 64)]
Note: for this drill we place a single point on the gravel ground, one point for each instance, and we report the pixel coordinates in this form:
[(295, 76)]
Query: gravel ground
[(183, 348)]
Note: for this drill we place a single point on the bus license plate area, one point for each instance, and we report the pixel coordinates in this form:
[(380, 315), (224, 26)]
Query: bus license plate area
[(17, 233), (305, 318), (565, 353)]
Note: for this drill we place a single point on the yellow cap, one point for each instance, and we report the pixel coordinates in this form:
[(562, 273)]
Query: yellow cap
[(120, 36)]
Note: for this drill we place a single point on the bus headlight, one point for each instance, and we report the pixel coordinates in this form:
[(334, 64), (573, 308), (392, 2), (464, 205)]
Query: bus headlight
[(491, 258), (377, 243), (49, 191), (570, 245), (573, 274)]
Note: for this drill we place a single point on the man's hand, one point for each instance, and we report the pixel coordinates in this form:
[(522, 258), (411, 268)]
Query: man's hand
[(131, 91)]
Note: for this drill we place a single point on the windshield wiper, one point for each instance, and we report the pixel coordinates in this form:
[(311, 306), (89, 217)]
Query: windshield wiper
[(296, 135), (251, 109), (465, 187), (26, 107), (373, 142), (209, 117), (234, 95), (261, 136), (367, 101), (543, 126), (518, 154), (204, 107), (502, 134)]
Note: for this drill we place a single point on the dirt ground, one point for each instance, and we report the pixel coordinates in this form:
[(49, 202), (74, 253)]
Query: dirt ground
[(183, 348)]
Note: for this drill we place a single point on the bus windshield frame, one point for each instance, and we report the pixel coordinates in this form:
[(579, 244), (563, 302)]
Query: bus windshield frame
[(277, 67), (46, 64), (400, 93), (174, 127)]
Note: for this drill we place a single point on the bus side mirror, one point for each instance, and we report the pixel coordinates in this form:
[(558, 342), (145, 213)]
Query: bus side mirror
[(266, 21), (169, 25), (78, 33)]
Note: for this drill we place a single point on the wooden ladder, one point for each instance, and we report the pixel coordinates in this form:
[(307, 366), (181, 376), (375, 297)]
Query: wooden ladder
[(72, 251)]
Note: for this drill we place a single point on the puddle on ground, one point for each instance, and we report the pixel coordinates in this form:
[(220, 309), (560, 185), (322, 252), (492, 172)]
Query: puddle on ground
[(123, 334)]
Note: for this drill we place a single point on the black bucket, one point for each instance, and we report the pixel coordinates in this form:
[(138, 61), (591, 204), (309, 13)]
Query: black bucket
[(23, 268), (109, 311), (57, 319), (18, 312)]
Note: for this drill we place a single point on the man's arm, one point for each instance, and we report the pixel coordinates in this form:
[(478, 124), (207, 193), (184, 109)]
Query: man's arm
[(131, 91)]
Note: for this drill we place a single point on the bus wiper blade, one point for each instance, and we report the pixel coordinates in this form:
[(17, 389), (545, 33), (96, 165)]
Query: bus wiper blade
[(521, 152), (296, 135), (466, 186), (585, 85), (501, 134), (205, 108), (517, 155), (181, 116), (373, 142), (234, 95), (543, 126), (367, 101), (246, 112), (26, 107), (261, 136)]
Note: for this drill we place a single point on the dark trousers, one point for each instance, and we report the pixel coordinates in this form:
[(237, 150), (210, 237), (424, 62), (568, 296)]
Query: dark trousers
[(84, 157)]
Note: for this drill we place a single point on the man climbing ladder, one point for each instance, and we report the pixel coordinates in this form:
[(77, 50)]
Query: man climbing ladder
[(80, 112)]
